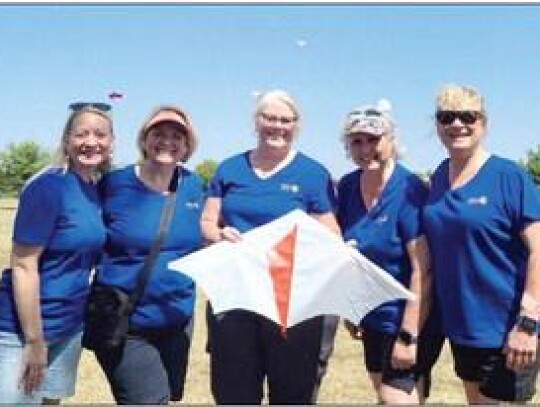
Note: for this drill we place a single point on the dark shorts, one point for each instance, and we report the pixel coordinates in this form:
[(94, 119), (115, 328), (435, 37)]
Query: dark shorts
[(151, 368), (247, 348), (378, 348), (487, 366)]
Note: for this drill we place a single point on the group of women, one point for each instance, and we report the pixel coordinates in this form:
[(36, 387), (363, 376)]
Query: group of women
[(467, 245)]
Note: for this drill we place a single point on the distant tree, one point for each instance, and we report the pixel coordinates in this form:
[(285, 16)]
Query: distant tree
[(18, 162), (532, 163), (206, 169)]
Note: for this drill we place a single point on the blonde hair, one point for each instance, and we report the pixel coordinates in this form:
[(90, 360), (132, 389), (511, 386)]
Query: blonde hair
[(459, 97), (192, 140), (61, 157)]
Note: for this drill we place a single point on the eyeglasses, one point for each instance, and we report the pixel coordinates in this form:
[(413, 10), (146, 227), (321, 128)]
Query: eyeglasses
[(104, 107), (286, 121), (446, 117)]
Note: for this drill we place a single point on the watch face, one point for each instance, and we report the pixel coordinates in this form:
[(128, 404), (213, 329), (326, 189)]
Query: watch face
[(406, 337), (527, 324)]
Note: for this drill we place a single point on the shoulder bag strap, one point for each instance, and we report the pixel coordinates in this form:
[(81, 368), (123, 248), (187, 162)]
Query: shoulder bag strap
[(167, 215)]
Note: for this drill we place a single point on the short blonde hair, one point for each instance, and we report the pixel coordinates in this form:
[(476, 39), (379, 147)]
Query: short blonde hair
[(459, 97), (176, 115), (61, 158)]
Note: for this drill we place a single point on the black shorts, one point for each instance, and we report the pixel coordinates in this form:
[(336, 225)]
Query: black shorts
[(378, 354), (487, 366)]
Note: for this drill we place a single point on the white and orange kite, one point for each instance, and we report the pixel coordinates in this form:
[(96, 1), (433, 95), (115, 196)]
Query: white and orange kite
[(290, 270)]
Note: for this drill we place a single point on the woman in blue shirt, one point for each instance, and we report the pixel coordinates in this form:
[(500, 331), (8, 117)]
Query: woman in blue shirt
[(151, 367), (482, 220), (58, 234), (379, 208), (249, 190)]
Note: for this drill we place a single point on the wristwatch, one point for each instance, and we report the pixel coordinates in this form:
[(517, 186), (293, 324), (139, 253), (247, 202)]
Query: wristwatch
[(527, 324), (406, 337)]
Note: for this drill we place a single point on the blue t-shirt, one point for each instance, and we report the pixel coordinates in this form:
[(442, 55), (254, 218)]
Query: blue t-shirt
[(383, 232), (61, 213), (249, 201), (132, 213), (478, 256)]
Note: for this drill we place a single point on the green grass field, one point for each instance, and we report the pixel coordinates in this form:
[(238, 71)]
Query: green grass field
[(345, 383)]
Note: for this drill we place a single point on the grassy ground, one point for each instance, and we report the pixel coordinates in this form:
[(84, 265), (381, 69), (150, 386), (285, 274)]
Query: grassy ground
[(345, 382)]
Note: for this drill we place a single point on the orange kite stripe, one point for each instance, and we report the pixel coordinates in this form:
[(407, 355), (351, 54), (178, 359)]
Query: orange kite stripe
[(281, 268)]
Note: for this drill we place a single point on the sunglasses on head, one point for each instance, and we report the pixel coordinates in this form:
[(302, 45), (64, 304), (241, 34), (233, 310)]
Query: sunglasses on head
[(446, 117), (104, 107)]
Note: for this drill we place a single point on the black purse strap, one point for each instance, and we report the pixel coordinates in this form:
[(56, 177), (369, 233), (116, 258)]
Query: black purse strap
[(167, 215)]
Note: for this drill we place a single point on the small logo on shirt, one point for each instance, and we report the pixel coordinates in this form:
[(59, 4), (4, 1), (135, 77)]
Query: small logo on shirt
[(478, 200), (290, 187), (192, 205), (381, 219)]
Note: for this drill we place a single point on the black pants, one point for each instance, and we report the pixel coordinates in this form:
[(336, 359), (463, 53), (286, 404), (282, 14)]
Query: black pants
[(247, 348)]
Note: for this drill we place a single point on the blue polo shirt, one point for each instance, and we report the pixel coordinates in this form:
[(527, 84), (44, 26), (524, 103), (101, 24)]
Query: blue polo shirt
[(60, 212), (383, 232), (478, 256), (249, 201), (132, 213)]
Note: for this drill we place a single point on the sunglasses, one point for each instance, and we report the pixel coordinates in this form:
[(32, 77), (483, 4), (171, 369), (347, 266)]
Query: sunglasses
[(104, 107), (357, 140), (446, 117)]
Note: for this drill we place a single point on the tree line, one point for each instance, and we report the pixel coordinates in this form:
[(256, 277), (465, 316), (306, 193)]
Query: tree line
[(19, 161)]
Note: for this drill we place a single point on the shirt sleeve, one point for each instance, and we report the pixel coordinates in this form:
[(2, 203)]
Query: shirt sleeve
[(410, 215), (216, 189), (322, 197), (523, 198), (39, 206)]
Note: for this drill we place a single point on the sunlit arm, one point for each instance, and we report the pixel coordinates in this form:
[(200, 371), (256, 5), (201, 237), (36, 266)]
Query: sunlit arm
[(328, 220), (521, 346), (26, 286), (211, 224), (24, 263), (416, 311)]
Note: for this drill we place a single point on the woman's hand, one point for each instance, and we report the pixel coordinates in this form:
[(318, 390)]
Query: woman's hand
[(230, 234), (33, 366), (520, 349), (403, 356)]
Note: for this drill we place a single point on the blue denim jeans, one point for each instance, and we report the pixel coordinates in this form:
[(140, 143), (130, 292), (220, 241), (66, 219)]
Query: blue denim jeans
[(60, 377)]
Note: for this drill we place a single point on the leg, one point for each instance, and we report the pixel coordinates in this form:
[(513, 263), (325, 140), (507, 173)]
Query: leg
[(487, 380), (11, 357), (393, 395), (376, 382), (173, 346), (473, 394), (398, 386), (293, 361), (430, 345), (374, 351), (135, 373), (63, 363), (236, 358)]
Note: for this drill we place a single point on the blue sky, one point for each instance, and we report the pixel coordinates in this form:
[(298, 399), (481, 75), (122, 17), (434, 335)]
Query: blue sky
[(211, 58)]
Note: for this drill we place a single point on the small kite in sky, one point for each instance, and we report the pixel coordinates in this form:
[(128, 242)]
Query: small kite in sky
[(290, 270), (116, 95)]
